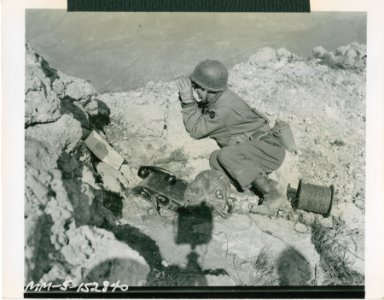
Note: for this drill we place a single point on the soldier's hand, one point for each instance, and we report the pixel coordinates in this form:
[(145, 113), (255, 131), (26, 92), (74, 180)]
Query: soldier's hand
[(185, 89)]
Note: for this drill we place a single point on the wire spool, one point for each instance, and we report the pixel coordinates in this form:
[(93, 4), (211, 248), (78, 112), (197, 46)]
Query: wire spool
[(313, 198)]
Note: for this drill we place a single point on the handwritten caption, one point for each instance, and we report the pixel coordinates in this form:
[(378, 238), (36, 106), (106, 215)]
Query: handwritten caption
[(88, 287)]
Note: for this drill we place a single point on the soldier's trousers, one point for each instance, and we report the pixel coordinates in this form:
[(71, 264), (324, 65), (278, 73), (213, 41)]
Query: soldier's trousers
[(247, 161)]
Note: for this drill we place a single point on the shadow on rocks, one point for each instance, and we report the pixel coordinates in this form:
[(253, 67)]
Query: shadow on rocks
[(123, 271), (194, 227), (90, 206), (293, 268), (42, 261), (50, 72), (98, 121), (102, 119), (68, 107)]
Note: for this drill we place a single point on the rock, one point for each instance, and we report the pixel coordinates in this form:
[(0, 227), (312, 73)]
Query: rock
[(264, 55), (284, 54), (59, 88), (47, 209), (99, 116), (349, 214), (80, 194), (40, 108), (45, 87), (112, 179), (56, 202), (92, 108), (75, 110), (147, 128), (319, 52), (326, 222), (64, 134), (95, 255), (41, 102), (349, 56), (77, 89), (97, 108), (88, 178), (338, 143), (130, 176)]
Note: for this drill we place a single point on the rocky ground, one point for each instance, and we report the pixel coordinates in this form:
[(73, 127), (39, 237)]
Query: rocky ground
[(82, 223)]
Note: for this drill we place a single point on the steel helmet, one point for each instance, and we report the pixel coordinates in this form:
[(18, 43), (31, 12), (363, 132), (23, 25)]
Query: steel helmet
[(212, 187), (211, 75)]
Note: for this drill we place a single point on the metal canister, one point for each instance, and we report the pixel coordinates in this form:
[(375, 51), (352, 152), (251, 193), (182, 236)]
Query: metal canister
[(312, 198)]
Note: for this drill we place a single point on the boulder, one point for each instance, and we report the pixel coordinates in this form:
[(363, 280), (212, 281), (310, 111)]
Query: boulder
[(75, 110), (45, 87), (349, 56), (99, 114), (113, 180), (264, 55), (94, 254), (92, 108), (284, 54), (319, 52), (59, 87), (130, 175), (64, 134), (59, 243), (352, 55), (48, 211), (77, 89), (41, 102), (80, 194)]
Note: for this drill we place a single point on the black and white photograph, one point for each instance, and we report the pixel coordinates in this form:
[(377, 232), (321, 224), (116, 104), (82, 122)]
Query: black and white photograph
[(194, 151)]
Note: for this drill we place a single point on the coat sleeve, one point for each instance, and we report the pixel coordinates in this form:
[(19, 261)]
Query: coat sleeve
[(201, 125)]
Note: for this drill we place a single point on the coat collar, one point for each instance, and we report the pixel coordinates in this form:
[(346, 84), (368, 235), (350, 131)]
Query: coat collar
[(211, 104)]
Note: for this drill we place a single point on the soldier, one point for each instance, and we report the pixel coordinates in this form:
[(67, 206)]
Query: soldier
[(249, 151)]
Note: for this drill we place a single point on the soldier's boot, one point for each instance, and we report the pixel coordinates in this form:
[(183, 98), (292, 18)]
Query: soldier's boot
[(267, 191)]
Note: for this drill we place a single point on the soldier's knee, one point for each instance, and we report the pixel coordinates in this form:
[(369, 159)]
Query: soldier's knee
[(213, 160), (224, 156)]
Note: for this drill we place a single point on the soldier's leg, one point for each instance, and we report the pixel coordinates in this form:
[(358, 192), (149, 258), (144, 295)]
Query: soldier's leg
[(248, 163), (213, 162), (216, 165), (238, 165)]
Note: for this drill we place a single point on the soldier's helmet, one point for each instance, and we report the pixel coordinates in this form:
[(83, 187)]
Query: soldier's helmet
[(211, 187), (211, 75)]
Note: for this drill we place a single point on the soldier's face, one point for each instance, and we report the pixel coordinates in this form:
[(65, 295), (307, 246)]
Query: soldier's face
[(202, 93)]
